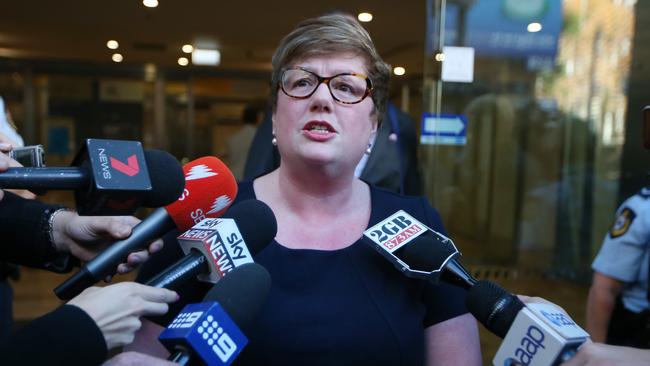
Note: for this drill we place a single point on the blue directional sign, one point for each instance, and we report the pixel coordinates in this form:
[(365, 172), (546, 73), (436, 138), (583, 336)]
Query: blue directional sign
[(443, 129)]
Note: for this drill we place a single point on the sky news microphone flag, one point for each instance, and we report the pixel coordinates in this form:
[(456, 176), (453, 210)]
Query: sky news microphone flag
[(215, 247), (109, 177), (210, 189)]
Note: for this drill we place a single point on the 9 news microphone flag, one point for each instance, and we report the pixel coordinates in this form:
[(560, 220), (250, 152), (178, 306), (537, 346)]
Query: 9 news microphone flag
[(210, 189), (211, 330)]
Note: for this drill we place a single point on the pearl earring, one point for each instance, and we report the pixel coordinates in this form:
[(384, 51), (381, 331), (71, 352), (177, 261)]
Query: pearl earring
[(369, 149), (274, 141)]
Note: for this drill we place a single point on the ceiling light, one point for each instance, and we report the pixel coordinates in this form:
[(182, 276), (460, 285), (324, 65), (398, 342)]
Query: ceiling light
[(440, 57), (534, 27), (117, 57), (364, 17), (206, 57), (183, 61), (112, 44), (187, 48), (399, 71), (150, 3)]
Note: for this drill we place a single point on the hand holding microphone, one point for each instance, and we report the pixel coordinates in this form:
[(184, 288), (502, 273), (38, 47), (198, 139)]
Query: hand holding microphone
[(537, 334), (116, 309), (109, 177), (210, 188)]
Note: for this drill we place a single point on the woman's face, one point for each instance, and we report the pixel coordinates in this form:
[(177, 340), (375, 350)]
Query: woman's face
[(319, 129)]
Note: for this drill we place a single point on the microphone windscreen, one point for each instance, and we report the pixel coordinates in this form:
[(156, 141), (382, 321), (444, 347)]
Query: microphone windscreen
[(427, 252), (167, 179), (242, 292), (493, 306), (210, 188), (256, 223)]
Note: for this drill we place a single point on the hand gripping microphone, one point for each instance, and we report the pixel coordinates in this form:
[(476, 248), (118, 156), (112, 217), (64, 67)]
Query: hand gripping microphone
[(210, 330), (214, 247), (210, 188), (534, 334), (417, 250), (109, 177)]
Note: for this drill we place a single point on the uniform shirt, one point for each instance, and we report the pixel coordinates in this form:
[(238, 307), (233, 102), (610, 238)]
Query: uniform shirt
[(625, 254)]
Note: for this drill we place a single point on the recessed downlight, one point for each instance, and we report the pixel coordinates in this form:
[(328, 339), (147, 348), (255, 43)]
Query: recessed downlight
[(112, 44)]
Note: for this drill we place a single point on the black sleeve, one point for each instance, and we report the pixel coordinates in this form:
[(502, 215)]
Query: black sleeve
[(23, 226), (190, 293), (66, 336)]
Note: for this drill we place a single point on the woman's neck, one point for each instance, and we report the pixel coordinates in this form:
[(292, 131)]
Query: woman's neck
[(303, 189)]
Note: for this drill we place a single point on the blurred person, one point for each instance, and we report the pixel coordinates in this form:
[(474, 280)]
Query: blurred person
[(8, 127), (334, 300), (238, 145), (618, 311)]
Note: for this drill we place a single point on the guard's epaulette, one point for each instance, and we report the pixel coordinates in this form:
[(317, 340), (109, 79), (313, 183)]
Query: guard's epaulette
[(645, 192)]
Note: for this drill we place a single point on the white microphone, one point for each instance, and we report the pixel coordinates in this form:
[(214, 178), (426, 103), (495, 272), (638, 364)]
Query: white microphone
[(535, 334)]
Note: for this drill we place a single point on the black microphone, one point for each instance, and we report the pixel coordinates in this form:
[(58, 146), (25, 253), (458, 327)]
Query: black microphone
[(535, 334), (110, 177), (216, 247), (418, 251), (210, 189), (230, 305)]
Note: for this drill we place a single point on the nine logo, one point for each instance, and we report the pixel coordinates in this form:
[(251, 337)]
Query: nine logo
[(185, 320), (218, 340)]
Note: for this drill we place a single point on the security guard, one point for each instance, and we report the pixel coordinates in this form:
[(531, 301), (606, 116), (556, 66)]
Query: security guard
[(618, 308)]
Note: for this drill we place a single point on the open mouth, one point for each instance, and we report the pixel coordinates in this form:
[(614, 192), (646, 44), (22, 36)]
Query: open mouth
[(319, 127)]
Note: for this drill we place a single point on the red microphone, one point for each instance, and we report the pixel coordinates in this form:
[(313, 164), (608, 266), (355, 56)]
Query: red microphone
[(210, 188)]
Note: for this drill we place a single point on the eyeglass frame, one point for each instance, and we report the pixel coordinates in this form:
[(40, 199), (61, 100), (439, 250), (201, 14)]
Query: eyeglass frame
[(326, 80)]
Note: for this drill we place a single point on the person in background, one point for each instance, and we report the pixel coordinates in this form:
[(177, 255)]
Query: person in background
[(334, 300), (239, 143), (8, 127), (618, 309)]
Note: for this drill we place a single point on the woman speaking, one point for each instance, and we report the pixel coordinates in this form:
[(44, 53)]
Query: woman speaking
[(334, 300)]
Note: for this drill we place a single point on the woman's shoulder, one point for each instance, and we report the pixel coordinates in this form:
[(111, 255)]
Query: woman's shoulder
[(386, 202)]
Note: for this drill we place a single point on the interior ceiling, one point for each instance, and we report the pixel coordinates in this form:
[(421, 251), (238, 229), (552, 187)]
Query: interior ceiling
[(246, 32)]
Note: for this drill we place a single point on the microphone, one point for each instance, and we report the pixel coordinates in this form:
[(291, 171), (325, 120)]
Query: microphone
[(110, 177), (210, 188), (534, 334), (215, 247), (211, 330), (418, 251)]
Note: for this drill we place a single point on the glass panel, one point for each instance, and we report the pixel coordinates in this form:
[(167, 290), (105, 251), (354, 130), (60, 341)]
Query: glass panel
[(536, 181)]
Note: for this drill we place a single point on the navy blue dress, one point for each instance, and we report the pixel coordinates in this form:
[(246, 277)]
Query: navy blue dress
[(348, 306)]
